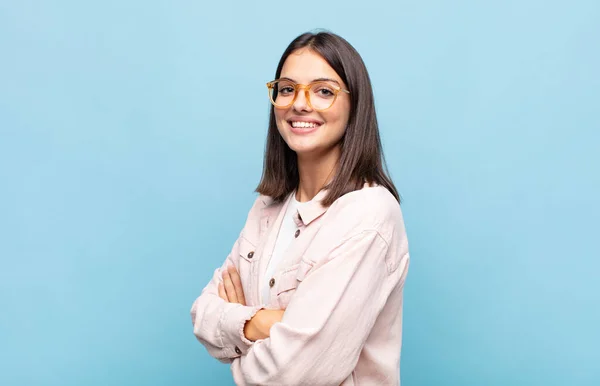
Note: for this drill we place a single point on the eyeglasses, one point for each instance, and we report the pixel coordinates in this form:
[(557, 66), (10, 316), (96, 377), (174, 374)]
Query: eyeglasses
[(320, 95)]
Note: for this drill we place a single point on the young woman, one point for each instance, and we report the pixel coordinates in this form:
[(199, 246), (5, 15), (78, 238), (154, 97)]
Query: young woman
[(311, 293)]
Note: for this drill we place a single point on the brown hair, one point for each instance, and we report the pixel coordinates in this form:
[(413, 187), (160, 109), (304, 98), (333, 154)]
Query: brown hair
[(361, 157)]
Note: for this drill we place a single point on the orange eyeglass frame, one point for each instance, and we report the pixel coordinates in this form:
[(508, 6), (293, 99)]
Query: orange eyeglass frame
[(306, 87)]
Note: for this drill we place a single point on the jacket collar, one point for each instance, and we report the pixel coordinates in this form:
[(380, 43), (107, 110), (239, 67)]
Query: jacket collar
[(313, 209), (308, 211)]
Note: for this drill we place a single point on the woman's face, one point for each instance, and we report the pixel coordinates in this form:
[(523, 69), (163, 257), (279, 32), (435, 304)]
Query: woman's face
[(305, 130)]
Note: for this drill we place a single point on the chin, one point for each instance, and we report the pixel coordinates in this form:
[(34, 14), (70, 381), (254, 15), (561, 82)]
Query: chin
[(303, 149), (313, 150)]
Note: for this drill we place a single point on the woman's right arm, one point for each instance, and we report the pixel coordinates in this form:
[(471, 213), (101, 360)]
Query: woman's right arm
[(219, 325)]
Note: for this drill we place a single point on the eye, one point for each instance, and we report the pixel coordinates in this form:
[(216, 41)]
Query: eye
[(324, 91), (286, 90)]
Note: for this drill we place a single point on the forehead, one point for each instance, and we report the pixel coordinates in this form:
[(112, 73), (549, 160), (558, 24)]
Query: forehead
[(305, 65)]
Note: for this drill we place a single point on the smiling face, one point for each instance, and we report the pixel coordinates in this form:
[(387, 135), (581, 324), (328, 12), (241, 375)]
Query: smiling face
[(305, 130)]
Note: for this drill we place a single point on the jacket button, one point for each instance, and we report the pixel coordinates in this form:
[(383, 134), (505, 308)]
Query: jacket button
[(251, 254), (271, 282), (238, 351), (297, 233)]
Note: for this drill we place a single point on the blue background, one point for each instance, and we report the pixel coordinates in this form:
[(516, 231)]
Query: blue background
[(131, 139)]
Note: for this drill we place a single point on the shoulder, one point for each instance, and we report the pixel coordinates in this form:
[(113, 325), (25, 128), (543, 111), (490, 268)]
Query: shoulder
[(262, 202), (262, 207), (370, 208)]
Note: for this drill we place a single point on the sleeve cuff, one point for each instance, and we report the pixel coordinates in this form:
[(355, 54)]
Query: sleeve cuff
[(235, 343)]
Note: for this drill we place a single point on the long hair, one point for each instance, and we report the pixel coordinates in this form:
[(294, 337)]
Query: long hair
[(361, 157)]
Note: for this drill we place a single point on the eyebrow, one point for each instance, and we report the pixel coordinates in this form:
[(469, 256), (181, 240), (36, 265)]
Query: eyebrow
[(315, 80)]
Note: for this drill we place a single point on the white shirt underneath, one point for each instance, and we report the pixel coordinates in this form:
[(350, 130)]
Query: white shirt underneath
[(284, 238)]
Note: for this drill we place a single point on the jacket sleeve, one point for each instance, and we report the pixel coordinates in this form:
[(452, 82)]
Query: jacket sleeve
[(328, 320), (219, 325)]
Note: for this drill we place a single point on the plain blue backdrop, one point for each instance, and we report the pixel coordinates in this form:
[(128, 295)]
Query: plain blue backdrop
[(131, 139)]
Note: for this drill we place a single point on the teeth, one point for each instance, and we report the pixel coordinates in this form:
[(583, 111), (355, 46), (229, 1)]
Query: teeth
[(304, 124)]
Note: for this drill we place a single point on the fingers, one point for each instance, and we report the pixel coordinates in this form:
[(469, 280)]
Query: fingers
[(222, 293), (237, 284), (229, 287)]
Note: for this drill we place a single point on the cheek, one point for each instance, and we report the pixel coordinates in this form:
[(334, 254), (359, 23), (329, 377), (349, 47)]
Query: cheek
[(338, 121), (279, 120)]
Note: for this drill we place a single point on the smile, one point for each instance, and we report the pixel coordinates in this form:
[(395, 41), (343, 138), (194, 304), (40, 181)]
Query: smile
[(303, 127), (304, 124)]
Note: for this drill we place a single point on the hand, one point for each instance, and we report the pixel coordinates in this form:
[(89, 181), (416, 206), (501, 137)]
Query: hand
[(231, 289), (259, 327)]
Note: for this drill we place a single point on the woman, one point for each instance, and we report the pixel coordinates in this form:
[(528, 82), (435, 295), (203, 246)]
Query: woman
[(311, 293)]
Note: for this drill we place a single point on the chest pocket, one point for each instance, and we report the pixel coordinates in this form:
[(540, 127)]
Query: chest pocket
[(246, 250), (289, 281)]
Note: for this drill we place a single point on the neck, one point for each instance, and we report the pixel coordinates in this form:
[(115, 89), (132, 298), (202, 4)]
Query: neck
[(315, 172)]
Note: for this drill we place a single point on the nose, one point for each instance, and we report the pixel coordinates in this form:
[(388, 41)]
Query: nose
[(301, 102)]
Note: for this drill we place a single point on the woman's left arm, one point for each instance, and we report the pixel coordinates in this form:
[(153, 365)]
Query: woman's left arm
[(329, 318)]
